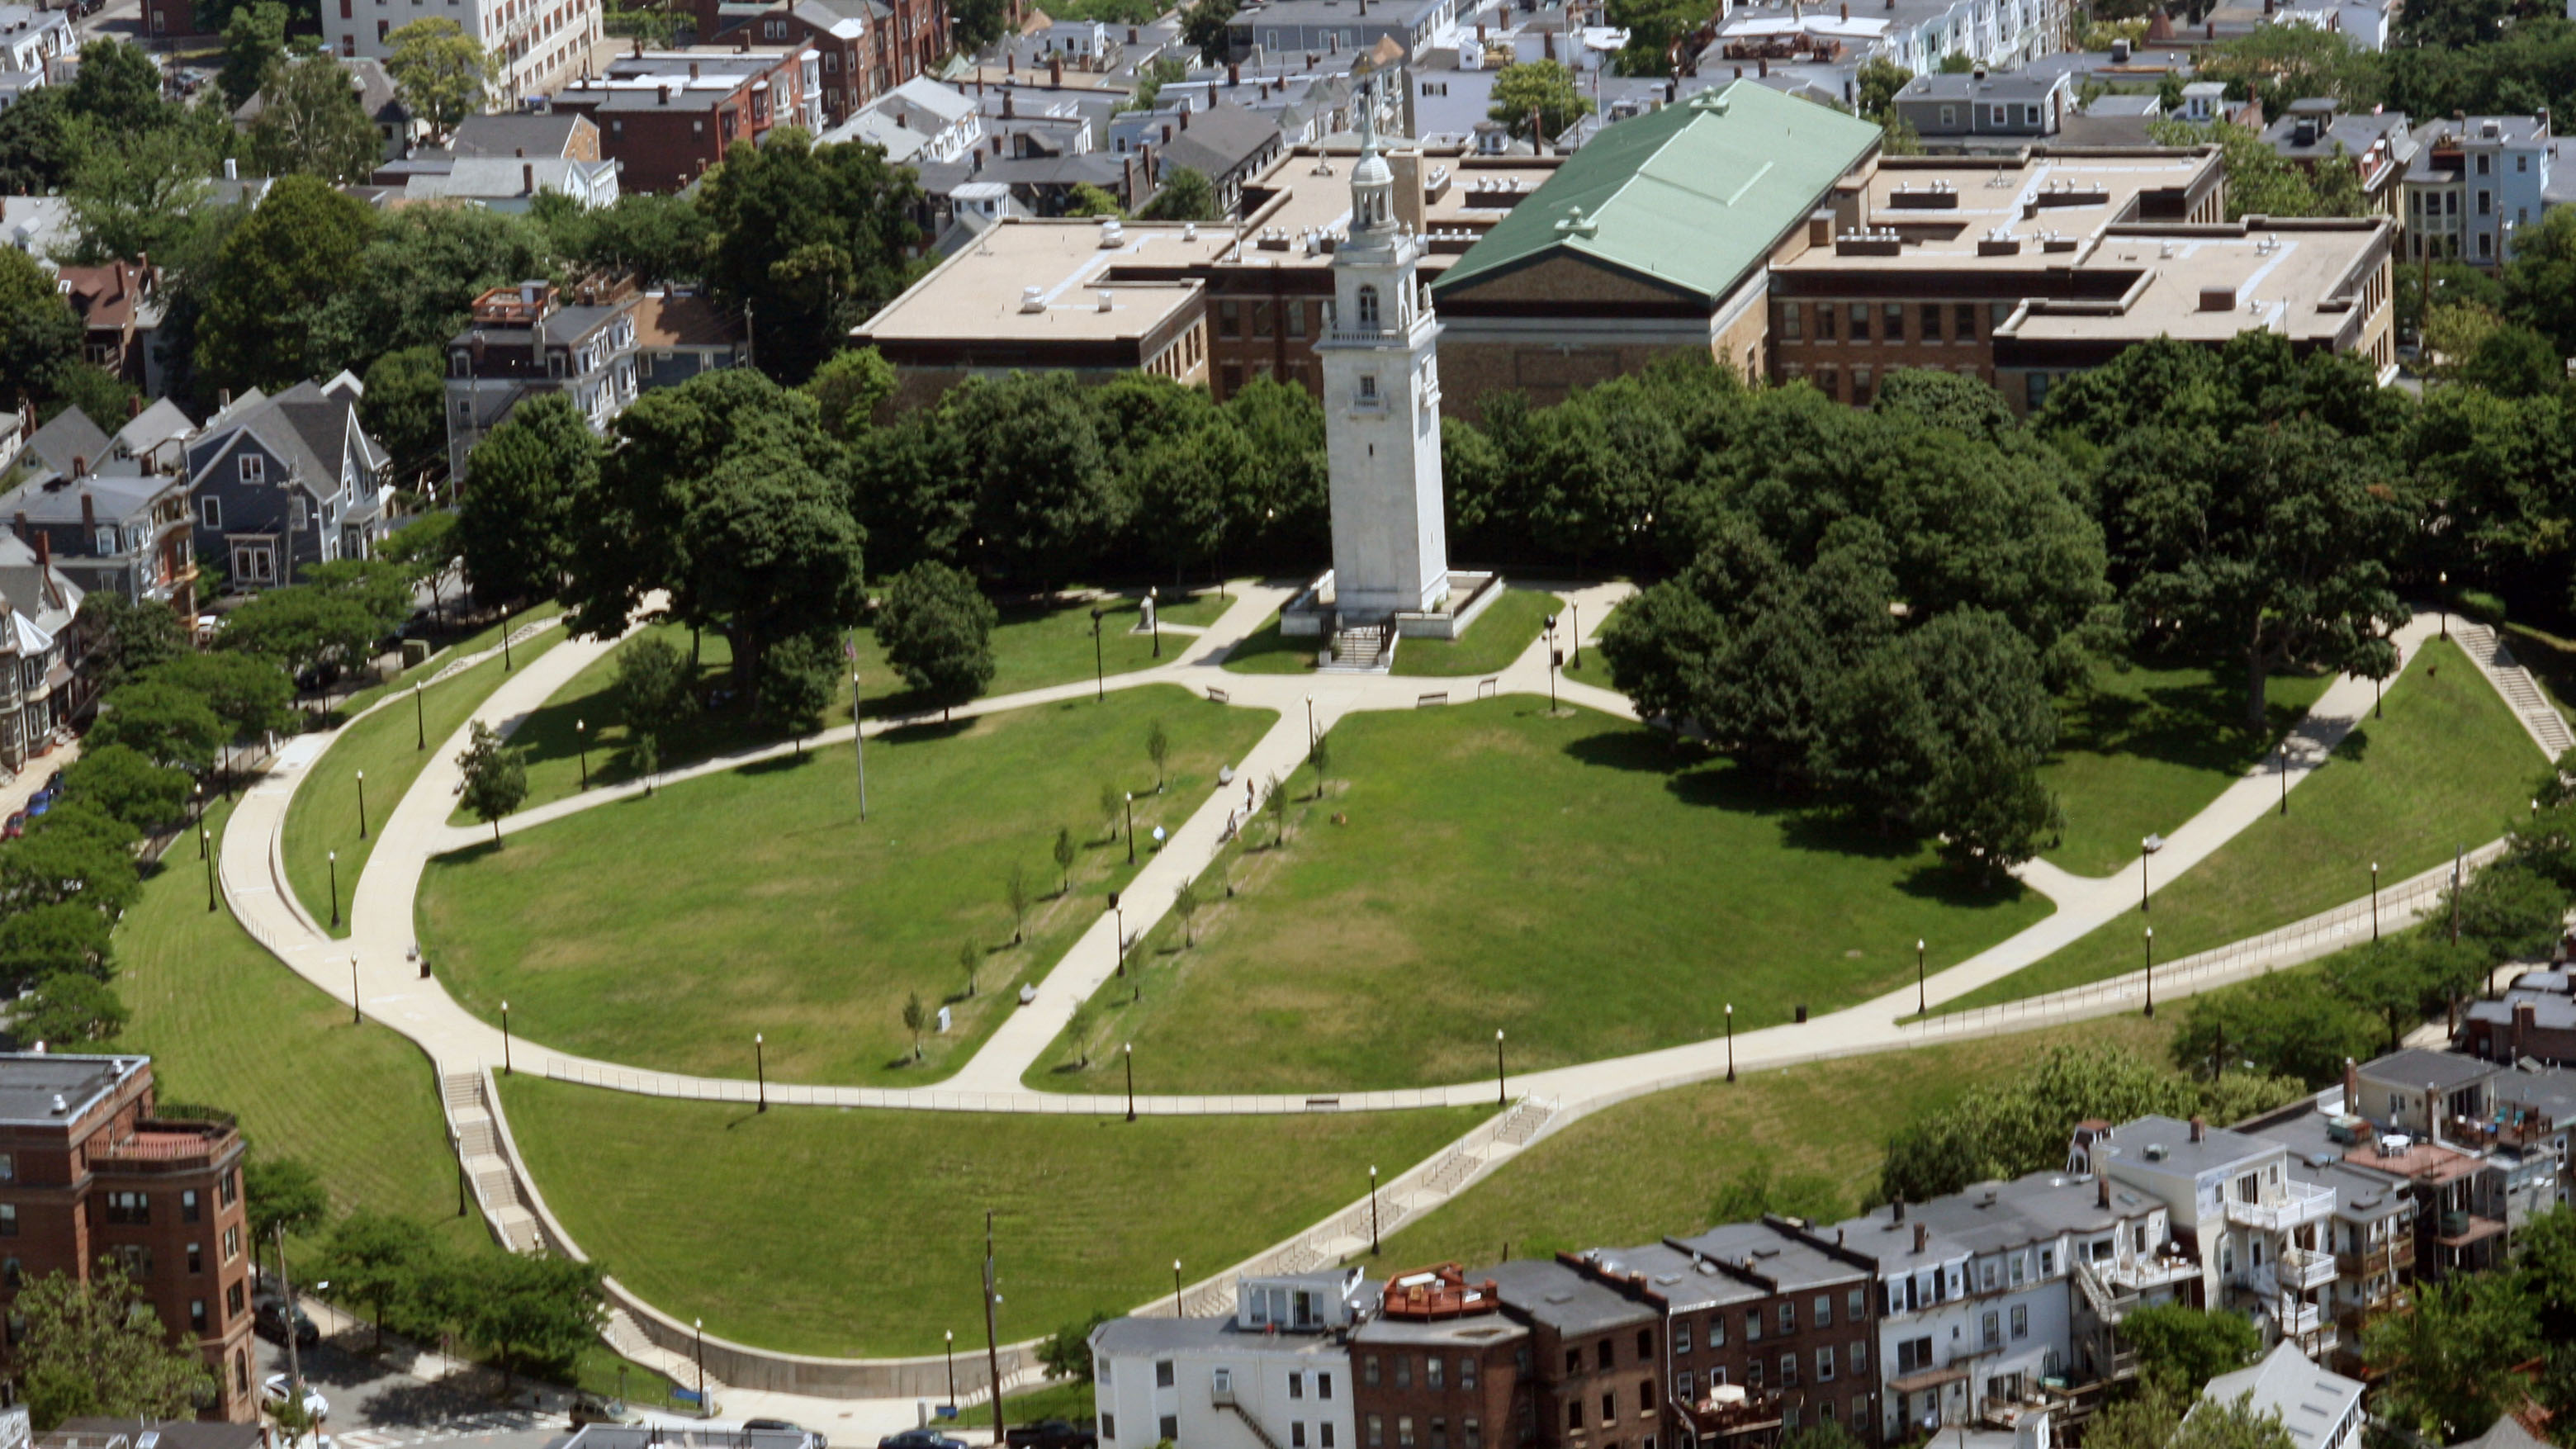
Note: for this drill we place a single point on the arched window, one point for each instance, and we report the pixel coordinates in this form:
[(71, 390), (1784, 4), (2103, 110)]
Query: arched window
[(1368, 306)]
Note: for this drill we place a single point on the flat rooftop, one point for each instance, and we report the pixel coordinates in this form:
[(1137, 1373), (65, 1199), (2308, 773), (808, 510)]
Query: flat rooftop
[(1946, 208), (1041, 281), (32, 1082), (2204, 284)]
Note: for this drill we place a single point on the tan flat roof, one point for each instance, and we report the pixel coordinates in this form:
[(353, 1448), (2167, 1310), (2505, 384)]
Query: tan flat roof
[(982, 292), (2290, 278), (1946, 209)]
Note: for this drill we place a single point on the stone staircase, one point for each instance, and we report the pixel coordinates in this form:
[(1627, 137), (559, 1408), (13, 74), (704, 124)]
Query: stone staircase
[(2548, 728), (478, 1146), (1368, 649), (628, 1338)]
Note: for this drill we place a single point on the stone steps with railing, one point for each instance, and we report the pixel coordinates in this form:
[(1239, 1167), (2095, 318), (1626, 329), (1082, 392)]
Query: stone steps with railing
[(2530, 703), (1369, 649)]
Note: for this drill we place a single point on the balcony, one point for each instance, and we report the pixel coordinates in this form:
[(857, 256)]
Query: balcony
[(2395, 1256), (2295, 1205), (167, 1146), (2300, 1269)]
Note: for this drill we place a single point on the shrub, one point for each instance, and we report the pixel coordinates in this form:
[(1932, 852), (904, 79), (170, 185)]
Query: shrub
[(2480, 607)]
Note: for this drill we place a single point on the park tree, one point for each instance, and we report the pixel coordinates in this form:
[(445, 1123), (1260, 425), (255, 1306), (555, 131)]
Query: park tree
[(2183, 1348), (772, 558), (2291, 1026), (63, 864), (798, 677), (2447, 1368), (1064, 859), (310, 121), (140, 193), (1185, 195), (162, 722), (405, 407), (441, 72), (970, 962), (281, 1194), (1191, 488), (251, 695), (1016, 895), (2003, 1132), (45, 941), (1537, 100), (1158, 748), (659, 239), (2514, 361), (532, 1310), (1185, 904), (117, 89), (847, 389), (916, 1019), (936, 628), (1043, 498), (652, 685), (125, 783), (277, 269), (1203, 26), (68, 1008), (812, 238), (496, 778), (1274, 798), (1066, 1353), (2505, 911), (300, 627), (96, 1348), (378, 1259), (424, 550), (254, 41), (517, 524), (2540, 279), (132, 637)]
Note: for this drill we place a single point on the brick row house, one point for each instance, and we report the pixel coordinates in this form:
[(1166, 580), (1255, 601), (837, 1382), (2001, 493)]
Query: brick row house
[(92, 1170), (868, 48), (666, 116)]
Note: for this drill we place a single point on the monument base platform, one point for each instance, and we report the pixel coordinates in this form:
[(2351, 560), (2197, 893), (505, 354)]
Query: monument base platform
[(1365, 643)]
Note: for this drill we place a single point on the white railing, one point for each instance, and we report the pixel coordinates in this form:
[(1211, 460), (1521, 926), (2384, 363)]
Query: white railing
[(2296, 1205)]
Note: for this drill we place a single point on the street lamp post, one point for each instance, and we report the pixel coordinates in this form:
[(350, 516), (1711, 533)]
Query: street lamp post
[(1501, 1097), (2374, 901), (2443, 602), (1552, 658), (1176, 1287), (505, 1038), (2151, 972), (2285, 777), (419, 719), (1310, 729), (1730, 1041), (950, 1337), (701, 1325), (1921, 1006), (362, 804), (203, 847), (859, 743), (760, 1067), (1154, 596), (357, 1016), (332, 859), (1131, 827), (505, 641), (206, 852), (1129, 1052), (1373, 1240), (1099, 674), (1574, 618), (1118, 915), (581, 742)]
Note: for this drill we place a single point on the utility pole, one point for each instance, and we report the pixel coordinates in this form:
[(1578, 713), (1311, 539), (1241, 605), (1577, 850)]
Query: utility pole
[(286, 1291), (992, 1344)]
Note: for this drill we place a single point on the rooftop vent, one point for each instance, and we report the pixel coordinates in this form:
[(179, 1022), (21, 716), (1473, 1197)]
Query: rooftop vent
[(60, 1106), (1032, 299), (1111, 234), (2157, 1152), (1107, 302)]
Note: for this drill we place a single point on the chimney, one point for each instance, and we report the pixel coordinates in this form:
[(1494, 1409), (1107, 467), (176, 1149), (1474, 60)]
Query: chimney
[(2351, 1088), (1233, 74), (80, 469), (1899, 1206), (518, 150), (1055, 70), (2526, 1022), (528, 178), (223, 398), (1922, 1236), (666, 95), (2199, 1128), (134, 406), (1010, 112), (2101, 1187), (1762, 68), (2432, 1115), (1185, 118), (89, 513), (44, 552), (693, 70), (22, 525)]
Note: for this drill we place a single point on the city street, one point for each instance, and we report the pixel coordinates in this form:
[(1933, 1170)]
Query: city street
[(378, 1404)]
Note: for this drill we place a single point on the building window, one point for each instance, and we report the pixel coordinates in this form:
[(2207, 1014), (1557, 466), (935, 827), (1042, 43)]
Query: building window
[(1860, 321), (1860, 387), (1949, 118), (1296, 319), (8, 1220), (1824, 322), (1376, 1432), (1989, 1329), (253, 468), (1109, 1427), (1645, 1396), (1859, 1356), (1168, 1427), (1404, 1371), (2486, 203), (1162, 1373), (129, 1207), (2021, 1320), (1471, 1434), (1829, 383), (1893, 317), (2035, 391), (1788, 1370), (232, 1243), (1404, 1431), (1431, 1372), (1439, 1433), (1681, 1335), (1753, 1374), (189, 1209), (1366, 302), (1682, 1380), (1645, 1345), (1467, 1374), (197, 1315), (2483, 164), (1324, 1390), (233, 1301), (9, 1160), (196, 1258), (1297, 1435), (1825, 1364), (1609, 1411), (1790, 325), (1717, 1330), (1328, 1435), (1931, 324)]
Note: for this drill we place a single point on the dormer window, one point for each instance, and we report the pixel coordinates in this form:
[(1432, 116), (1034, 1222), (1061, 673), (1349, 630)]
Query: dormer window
[(254, 468)]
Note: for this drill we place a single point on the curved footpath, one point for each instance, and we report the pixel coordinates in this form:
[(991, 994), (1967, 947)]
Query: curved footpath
[(467, 1050)]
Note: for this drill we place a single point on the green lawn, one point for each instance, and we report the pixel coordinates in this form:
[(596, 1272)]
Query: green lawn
[(1583, 1188), (487, 637), (1073, 1401), (2551, 660), (1032, 648), (668, 929), (386, 746), (1575, 881), (1267, 651), (2143, 750), (2448, 766), (827, 1232), (1495, 639), (227, 1026)]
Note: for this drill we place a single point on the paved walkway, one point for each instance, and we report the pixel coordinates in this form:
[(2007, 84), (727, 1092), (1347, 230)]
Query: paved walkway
[(375, 960)]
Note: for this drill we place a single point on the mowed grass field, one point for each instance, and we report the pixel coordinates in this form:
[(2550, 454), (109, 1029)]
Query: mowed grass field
[(2141, 750), (1033, 647), (2448, 766), (829, 1232), (227, 1026), (1575, 881), (386, 746), (1581, 1187), (666, 930)]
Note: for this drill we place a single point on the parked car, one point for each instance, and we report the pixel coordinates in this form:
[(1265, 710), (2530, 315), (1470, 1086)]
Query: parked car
[(16, 827), (268, 1319), (275, 1390), (812, 1439), (1050, 1434), (592, 1409), (920, 1439)]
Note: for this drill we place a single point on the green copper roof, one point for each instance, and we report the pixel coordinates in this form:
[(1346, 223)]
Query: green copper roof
[(1693, 195)]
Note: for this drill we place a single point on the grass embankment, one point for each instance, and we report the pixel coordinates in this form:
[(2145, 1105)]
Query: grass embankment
[(1575, 881), (714, 1210), (1580, 1188), (2143, 750), (227, 1026), (487, 637), (2447, 766), (1495, 639), (667, 929), (1032, 648), (386, 746)]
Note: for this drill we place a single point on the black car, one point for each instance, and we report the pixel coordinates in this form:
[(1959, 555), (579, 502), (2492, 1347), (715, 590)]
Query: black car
[(1050, 1434), (268, 1318), (920, 1439)]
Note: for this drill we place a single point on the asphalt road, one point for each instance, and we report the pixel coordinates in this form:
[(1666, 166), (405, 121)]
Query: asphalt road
[(376, 1407)]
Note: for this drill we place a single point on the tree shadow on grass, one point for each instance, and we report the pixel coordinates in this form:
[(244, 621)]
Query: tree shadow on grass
[(2198, 725)]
